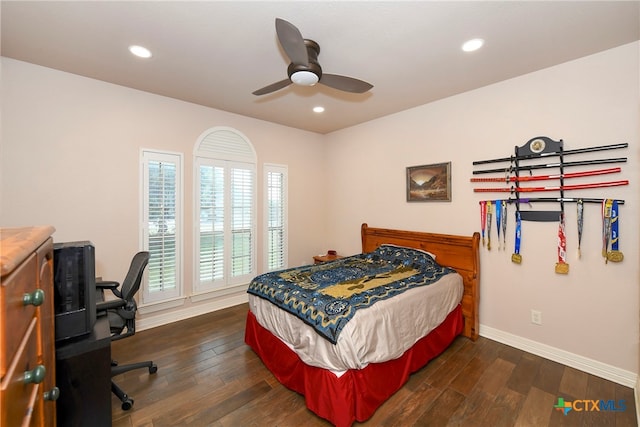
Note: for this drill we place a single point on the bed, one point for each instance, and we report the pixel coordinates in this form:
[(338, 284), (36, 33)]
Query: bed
[(346, 375)]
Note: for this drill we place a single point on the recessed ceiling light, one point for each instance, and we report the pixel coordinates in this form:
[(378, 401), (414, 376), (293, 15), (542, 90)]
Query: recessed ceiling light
[(140, 51), (318, 109), (473, 44)]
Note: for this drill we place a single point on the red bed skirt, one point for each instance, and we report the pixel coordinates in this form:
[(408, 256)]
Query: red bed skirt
[(356, 394)]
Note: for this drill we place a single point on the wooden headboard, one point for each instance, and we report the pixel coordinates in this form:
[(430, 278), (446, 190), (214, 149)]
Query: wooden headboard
[(458, 252)]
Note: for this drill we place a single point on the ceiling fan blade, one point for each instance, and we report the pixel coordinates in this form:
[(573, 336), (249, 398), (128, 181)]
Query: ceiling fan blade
[(344, 83), (273, 87), (291, 41)]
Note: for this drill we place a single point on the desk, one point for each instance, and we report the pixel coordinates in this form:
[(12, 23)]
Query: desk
[(83, 368)]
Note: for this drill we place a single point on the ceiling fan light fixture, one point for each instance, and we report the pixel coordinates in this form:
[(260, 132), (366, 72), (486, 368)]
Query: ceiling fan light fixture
[(304, 68), (318, 109), (304, 78)]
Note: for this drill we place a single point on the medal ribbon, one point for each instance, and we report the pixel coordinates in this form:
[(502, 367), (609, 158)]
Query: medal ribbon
[(518, 232), (483, 218), (498, 220), (489, 225), (580, 208), (615, 255), (504, 224), (562, 242), (614, 226), (561, 266), (516, 257), (606, 225)]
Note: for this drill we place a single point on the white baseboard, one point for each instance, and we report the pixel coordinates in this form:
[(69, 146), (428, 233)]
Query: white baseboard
[(158, 319), (599, 369)]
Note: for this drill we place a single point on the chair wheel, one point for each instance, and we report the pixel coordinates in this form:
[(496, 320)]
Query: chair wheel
[(153, 368), (127, 404)]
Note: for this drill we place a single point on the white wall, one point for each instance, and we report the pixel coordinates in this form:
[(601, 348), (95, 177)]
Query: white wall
[(593, 311), (70, 158), (70, 149)]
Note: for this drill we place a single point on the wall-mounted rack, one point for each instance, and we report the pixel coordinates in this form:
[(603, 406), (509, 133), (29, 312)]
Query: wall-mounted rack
[(543, 147)]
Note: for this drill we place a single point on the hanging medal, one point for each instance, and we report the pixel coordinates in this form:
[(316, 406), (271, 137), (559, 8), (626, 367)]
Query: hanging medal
[(561, 266), (606, 226), (614, 255), (580, 215), (498, 220), (489, 209), (483, 218), (504, 224), (516, 257)]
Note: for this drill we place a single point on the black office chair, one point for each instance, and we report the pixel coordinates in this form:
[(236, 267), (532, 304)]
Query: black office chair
[(121, 312)]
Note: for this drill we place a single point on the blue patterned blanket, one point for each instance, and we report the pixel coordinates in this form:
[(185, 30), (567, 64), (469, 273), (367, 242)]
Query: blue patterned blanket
[(326, 296)]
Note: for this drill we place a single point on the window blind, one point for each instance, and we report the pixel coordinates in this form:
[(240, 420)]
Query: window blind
[(225, 245), (242, 190), (211, 254), (161, 211), (276, 220)]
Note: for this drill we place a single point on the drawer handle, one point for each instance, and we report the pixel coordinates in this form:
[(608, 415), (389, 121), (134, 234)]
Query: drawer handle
[(52, 394), (35, 376), (35, 298)]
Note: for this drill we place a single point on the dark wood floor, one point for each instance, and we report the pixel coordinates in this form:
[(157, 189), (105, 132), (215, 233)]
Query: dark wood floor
[(207, 376)]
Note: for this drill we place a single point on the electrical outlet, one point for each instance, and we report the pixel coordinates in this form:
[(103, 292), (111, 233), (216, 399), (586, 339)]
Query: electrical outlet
[(536, 317)]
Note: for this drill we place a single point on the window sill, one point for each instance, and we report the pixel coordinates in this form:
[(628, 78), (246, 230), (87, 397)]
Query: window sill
[(215, 293), (161, 305)]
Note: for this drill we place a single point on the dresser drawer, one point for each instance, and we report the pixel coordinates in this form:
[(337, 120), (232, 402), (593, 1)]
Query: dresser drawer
[(27, 352), (46, 332), (15, 313), (19, 398)]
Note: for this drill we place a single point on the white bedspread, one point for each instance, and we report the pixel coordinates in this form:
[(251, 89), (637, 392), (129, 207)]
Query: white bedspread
[(378, 333)]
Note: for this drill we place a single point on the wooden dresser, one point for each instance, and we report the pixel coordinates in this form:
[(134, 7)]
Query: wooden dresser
[(27, 336)]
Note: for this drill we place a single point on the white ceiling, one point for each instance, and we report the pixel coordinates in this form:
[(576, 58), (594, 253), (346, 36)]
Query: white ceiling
[(215, 53)]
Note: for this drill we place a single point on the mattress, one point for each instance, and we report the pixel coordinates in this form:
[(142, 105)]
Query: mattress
[(376, 334)]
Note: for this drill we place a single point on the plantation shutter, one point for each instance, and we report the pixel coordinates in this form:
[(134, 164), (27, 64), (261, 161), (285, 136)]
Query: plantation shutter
[(211, 253), (161, 211), (276, 204), (225, 247), (242, 221)]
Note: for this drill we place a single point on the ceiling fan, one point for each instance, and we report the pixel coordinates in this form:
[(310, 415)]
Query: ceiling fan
[(304, 68)]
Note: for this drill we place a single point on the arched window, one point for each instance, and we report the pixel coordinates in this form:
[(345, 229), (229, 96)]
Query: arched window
[(225, 186)]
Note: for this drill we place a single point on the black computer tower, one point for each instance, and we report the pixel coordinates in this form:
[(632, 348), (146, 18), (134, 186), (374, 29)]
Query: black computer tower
[(74, 289)]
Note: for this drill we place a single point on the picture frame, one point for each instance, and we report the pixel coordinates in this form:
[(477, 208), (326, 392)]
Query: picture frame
[(429, 183)]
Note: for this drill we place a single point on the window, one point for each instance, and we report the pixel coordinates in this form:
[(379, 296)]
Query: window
[(275, 182), (225, 209), (161, 219), (211, 224)]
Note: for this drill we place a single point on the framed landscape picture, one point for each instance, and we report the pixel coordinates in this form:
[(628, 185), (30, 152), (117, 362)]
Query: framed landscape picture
[(429, 183)]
